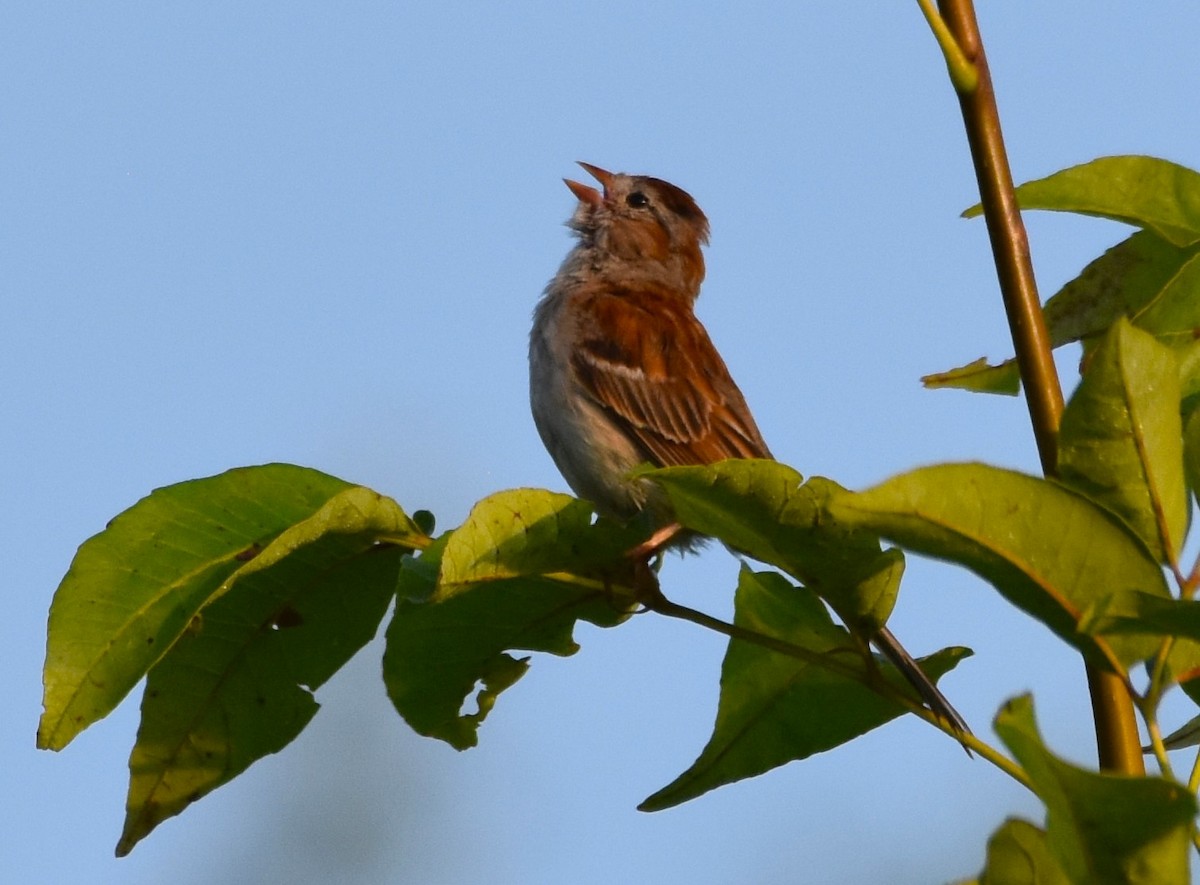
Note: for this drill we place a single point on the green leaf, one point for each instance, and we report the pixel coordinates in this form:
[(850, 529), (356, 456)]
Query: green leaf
[(1017, 854), (238, 684), (1143, 191), (1047, 549), (980, 377), (1104, 829), (761, 509), (526, 532), (518, 574), (1143, 277), (1187, 735), (1189, 377), (1133, 613), (774, 708), (1173, 315), (133, 588), (1191, 452), (1125, 281), (1153, 277), (1121, 438)]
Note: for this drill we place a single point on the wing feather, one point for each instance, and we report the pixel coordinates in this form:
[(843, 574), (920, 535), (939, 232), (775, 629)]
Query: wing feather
[(644, 357)]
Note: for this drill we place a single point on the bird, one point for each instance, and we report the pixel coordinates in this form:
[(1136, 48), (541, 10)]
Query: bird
[(622, 372)]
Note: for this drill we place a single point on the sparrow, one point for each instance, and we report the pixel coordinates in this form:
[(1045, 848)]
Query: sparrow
[(622, 373)]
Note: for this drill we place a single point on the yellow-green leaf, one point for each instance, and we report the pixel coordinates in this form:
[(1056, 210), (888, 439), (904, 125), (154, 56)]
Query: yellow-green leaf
[(1143, 191), (1104, 829), (1121, 438), (1047, 549), (133, 588), (238, 683)]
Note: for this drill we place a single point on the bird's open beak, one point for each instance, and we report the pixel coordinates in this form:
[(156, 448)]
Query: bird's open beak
[(586, 193)]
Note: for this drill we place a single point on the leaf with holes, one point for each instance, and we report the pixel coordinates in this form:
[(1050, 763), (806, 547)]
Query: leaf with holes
[(133, 588), (517, 575), (238, 684)]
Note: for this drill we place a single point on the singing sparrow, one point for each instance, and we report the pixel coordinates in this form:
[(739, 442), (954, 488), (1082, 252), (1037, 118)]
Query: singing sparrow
[(622, 373)]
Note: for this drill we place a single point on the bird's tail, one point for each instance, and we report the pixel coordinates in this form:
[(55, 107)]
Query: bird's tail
[(887, 643)]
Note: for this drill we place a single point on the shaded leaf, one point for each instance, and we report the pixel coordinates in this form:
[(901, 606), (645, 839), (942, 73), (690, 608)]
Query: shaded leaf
[(1143, 191), (1173, 315), (1191, 452), (1017, 854), (517, 575), (774, 708), (1188, 357), (1047, 549), (1123, 282), (1104, 829), (133, 588), (238, 685), (1121, 439), (1132, 613)]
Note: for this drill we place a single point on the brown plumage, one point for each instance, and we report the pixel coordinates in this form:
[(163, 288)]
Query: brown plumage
[(622, 373), (621, 370)]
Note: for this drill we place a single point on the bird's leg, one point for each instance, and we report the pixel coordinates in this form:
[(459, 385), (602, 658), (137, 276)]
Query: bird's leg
[(655, 542)]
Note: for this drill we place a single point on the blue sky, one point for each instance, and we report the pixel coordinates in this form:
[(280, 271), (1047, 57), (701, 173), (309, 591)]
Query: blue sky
[(241, 233)]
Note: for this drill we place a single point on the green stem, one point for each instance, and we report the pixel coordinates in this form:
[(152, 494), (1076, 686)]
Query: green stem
[(663, 606), (1157, 747), (963, 74), (1116, 728)]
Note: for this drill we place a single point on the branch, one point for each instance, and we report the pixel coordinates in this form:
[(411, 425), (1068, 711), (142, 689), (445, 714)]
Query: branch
[(1116, 730)]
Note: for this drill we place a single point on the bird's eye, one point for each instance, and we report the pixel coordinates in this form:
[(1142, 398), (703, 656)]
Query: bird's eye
[(637, 200)]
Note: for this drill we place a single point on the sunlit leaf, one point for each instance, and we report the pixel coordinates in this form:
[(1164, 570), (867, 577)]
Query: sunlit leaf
[(525, 532), (762, 509), (1121, 438), (1047, 549), (774, 708), (1104, 829), (238, 683), (1143, 191), (979, 376), (133, 588), (517, 575)]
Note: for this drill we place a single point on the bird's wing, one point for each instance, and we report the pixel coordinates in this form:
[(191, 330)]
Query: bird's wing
[(646, 359)]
